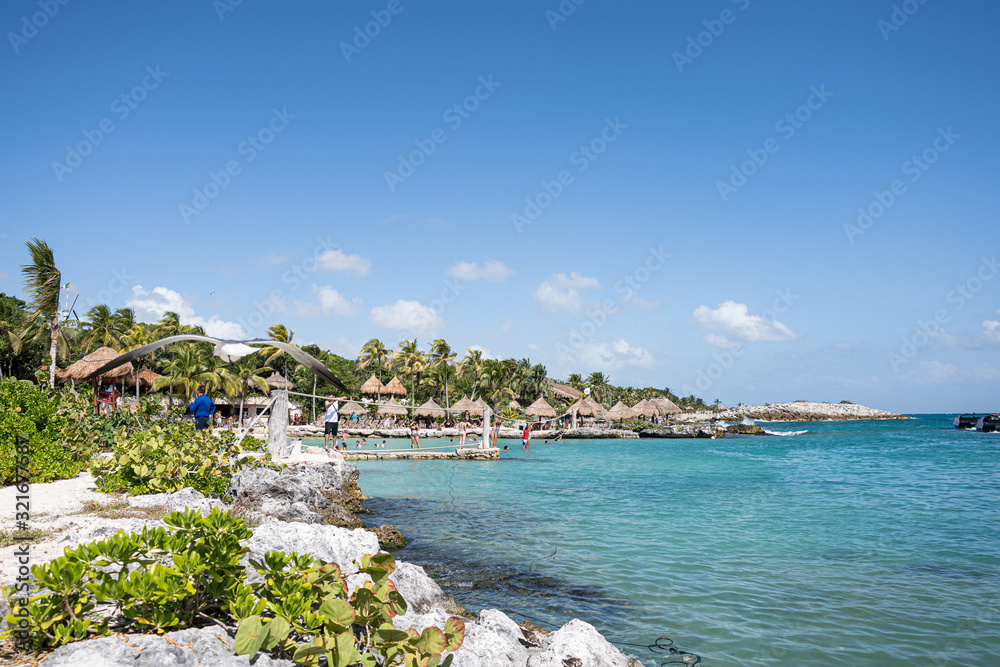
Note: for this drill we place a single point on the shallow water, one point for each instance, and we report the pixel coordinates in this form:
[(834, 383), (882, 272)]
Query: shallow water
[(854, 543)]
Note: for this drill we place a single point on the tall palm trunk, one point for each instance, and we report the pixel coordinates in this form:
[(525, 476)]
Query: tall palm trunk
[(53, 346)]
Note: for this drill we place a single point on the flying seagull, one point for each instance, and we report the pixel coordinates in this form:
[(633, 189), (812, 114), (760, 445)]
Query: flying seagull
[(229, 351)]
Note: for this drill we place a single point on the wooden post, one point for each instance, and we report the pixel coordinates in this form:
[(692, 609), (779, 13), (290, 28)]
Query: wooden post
[(574, 419), (277, 424), (486, 428)]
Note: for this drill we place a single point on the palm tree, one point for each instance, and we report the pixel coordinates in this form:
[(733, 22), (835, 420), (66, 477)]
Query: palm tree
[(442, 356), (187, 369), (140, 334), (575, 381), (598, 383), (248, 374), (102, 329), (42, 281), (170, 325), (125, 319), (413, 363), (282, 334), (472, 363), (375, 352)]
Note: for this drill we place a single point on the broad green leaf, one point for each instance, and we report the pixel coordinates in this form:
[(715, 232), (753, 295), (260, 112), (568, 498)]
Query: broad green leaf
[(454, 630), (431, 640), (250, 636), (339, 611)]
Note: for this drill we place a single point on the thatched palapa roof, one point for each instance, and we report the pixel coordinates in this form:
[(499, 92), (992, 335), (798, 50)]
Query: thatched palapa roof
[(373, 386), (665, 406), (540, 408), (90, 363), (352, 408), (392, 408), (645, 408), (514, 405), (277, 381), (621, 411), (395, 387), (464, 405), (564, 391), (146, 378), (430, 409), (588, 407), (480, 403)]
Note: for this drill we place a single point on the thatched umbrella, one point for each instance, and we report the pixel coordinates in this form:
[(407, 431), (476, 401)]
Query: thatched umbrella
[(514, 405), (277, 381), (621, 411), (665, 406), (540, 408), (588, 407), (372, 386), (464, 405), (392, 408), (645, 408), (395, 387), (352, 408), (480, 403), (429, 409)]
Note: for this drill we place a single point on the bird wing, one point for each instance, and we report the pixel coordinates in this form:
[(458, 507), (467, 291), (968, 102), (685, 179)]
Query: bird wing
[(137, 352), (306, 359)]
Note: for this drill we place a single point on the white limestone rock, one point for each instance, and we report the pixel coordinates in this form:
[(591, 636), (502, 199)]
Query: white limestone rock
[(328, 543), (577, 640), (493, 640), (186, 648), (178, 500)]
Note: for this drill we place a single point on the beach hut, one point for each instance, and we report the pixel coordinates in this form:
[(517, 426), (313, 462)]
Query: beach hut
[(278, 381), (146, 378), (464, 405), (79, 370), (430, 409), (540, 408), (481, 404), (514, 405), (395, 387), (392, 407), (621, 411)]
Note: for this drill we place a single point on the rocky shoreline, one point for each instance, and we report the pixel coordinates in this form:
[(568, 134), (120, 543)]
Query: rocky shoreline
[(795, 411), (312, 506)]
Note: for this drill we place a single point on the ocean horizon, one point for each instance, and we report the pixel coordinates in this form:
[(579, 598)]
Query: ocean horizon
[(840, 543)]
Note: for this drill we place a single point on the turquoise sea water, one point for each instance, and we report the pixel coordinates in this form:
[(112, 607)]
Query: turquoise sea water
[(854, 543)]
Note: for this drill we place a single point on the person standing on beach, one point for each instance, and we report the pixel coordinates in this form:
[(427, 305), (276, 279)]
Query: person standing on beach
[(203, 409), (526, 437), (331, 420)]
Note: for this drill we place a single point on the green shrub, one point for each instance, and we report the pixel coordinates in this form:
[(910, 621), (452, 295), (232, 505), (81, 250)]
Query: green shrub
[(27, 411), (190, 575), (170, 456)]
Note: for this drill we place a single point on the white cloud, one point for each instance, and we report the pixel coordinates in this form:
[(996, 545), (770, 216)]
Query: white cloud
[(731, 321), (336, 260), (609, 356), (151, 305), (491, 272), (991, 330), (532, 347), (562, 292), (410, 316), (330, 301)]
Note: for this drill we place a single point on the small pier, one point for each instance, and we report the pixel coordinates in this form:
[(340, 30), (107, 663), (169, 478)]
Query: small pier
[(422, 454)]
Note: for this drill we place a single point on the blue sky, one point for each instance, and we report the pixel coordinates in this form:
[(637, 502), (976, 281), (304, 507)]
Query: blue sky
[(497, 173)]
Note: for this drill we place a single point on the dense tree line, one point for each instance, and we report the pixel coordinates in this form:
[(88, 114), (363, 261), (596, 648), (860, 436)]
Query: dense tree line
[(36, 333)]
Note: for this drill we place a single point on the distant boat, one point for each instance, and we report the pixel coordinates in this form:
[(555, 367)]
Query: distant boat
[(984, 423)]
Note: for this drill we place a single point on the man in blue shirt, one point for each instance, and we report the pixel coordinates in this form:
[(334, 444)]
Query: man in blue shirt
[(203, 408)]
